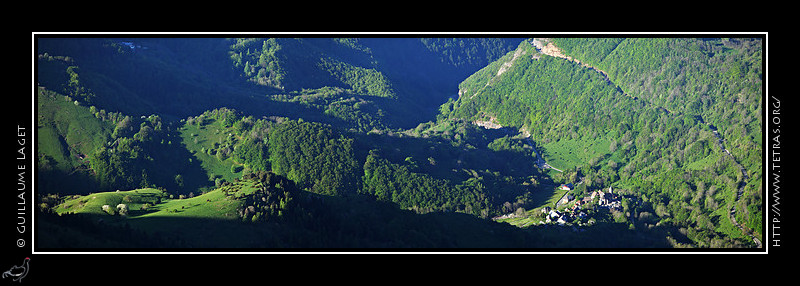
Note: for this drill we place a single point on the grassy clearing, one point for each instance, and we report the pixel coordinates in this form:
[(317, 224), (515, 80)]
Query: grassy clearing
[(214, 204), (569, 153), (148, 203), (704, 163), (208, 216), (522, 222), (207, 137), (93, 203)]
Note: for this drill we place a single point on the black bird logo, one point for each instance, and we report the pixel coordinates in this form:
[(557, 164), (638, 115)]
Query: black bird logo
[(18, 272)]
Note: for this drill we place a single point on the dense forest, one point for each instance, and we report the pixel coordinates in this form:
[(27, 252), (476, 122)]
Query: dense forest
[(373, 142)]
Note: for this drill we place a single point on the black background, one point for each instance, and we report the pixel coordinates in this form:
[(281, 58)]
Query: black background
[(187, 266)]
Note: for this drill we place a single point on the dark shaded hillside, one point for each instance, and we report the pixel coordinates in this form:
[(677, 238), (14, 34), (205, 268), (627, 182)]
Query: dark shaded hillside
[(427, 71), (158, 76), (179, 77)]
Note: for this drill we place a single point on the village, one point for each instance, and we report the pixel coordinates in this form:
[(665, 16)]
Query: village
[(569, 210), (575, 208)]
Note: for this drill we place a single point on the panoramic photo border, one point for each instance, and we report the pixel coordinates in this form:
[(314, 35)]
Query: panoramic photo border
[(25, 175)]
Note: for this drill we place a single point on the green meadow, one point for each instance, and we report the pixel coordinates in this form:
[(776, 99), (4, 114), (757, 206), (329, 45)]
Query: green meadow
[(219, 203), (568, 153), (204, 141), (207, 216)]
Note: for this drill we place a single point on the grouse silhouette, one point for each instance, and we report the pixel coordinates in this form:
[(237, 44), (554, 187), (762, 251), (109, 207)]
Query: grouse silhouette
[(18, 272)]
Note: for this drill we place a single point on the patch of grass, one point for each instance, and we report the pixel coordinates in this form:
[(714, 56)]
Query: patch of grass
[(522, 222), (205, 219), (93, 203), (569, 153), (704, 163), (200, 138), (213, 204)]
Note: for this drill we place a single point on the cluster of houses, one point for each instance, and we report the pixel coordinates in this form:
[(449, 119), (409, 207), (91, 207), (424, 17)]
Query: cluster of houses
[(608, 200), (605, 199), (575, 208), (561, 217)]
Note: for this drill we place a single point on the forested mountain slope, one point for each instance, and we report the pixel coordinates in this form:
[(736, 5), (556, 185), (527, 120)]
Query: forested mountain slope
[(719, 81), (659, 102)]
